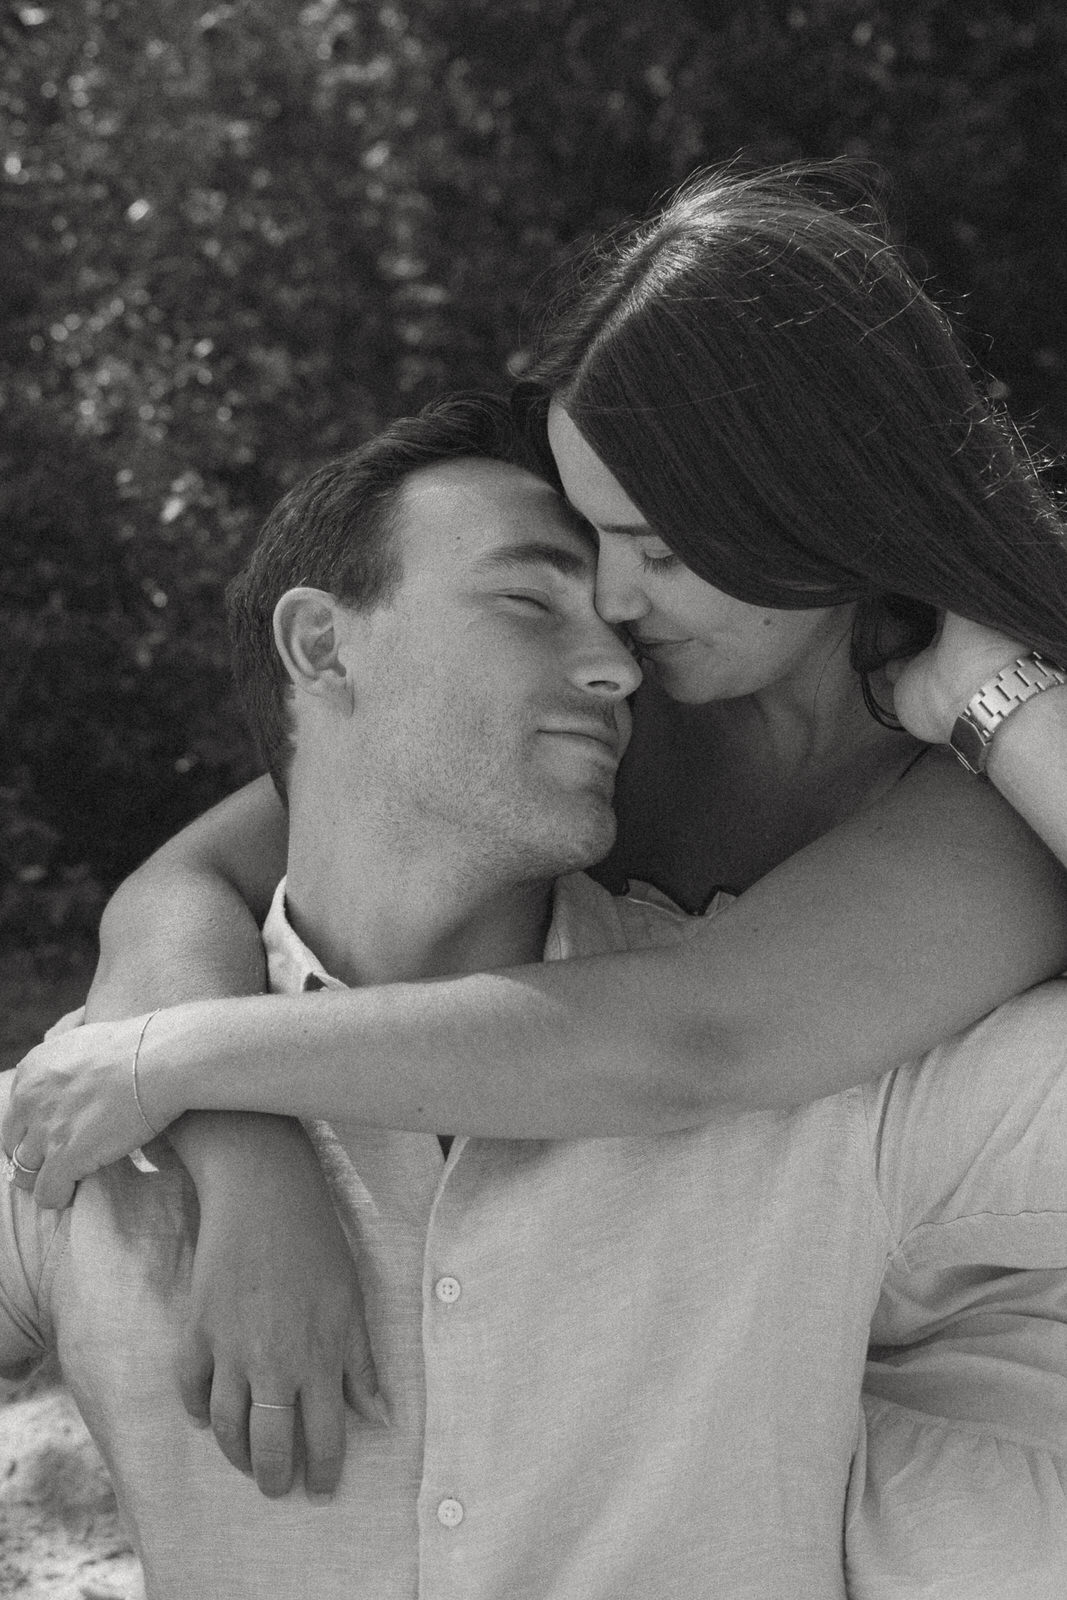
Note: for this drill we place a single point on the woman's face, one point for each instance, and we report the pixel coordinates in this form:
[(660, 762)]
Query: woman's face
[(697, 642)]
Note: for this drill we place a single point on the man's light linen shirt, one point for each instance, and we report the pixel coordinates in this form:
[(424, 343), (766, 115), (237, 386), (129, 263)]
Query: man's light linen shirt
[(626, 1368)]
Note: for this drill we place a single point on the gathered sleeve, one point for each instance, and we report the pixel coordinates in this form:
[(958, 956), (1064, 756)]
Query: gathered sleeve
[(959, 1483)]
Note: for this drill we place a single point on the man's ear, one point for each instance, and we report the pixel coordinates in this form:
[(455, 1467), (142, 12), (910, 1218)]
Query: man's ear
[(309, 629)]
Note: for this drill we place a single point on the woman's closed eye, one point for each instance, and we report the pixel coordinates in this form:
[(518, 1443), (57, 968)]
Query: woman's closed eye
[(658, 563)]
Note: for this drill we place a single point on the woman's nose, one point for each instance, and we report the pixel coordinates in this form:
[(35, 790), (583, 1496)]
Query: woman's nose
[(620, 596)]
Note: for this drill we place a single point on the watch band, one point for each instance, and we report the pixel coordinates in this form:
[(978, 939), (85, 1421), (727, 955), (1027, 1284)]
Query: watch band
[(1015, 684)]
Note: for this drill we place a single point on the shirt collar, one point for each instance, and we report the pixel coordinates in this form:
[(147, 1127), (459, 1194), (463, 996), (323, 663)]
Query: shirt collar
[(586, 920), (291, 967)]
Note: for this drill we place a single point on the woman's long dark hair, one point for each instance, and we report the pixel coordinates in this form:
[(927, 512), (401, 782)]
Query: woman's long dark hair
[(793, 415)]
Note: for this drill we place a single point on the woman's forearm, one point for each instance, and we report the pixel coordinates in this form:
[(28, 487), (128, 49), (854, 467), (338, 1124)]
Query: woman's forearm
[(511, 1054)]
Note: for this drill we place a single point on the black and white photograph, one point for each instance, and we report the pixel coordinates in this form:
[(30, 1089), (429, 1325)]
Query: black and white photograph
[(533, 800)]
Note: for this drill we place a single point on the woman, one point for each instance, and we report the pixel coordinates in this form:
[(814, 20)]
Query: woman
[(790, 475)]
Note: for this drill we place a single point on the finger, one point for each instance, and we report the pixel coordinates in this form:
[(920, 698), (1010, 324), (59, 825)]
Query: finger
[(12, 1129), (23, 1167), (360, 1380), (229, 1418), (271, 1434), (322, 1411), (18, 1178), (54, 1188), (195, 1367)]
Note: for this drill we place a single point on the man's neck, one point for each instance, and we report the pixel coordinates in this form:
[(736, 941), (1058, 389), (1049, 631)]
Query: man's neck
[(371, 919)]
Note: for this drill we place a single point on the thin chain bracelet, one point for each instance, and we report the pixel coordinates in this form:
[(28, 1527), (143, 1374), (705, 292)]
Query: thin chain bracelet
[(152, 1132)]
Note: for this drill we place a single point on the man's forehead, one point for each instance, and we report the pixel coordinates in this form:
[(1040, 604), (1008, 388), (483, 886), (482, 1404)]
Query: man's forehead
[(472, 504)]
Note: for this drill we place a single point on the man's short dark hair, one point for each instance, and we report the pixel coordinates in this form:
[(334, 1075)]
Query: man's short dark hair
[(338, 530)]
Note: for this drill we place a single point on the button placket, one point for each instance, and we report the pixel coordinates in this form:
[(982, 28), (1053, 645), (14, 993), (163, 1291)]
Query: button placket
[(447, 1289)]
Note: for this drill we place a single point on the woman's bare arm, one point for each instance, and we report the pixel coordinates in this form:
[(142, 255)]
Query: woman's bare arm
[(902, 925), (187, 922)]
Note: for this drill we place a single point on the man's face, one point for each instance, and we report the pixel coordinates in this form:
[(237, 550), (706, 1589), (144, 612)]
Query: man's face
[(490, 696)]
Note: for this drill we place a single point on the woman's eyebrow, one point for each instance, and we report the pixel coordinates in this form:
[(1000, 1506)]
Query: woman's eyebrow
[(636, 529), (639, 530)]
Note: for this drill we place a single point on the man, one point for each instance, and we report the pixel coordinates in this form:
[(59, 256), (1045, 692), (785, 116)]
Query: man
[(624, 1367)]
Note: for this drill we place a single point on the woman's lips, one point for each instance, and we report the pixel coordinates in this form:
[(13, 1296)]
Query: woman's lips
[(657, 646)]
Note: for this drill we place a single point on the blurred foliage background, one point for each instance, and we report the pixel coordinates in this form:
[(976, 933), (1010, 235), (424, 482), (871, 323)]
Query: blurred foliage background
[(238, 237)]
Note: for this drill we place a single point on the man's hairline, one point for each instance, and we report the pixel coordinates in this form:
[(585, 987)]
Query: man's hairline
[(397, 501)]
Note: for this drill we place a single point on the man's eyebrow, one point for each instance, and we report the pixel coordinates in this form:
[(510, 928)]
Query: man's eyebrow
[(537, 553)]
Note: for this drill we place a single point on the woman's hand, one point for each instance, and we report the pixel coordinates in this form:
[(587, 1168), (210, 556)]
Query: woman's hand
[(275, 1313), (73, 1109), (931, 689)]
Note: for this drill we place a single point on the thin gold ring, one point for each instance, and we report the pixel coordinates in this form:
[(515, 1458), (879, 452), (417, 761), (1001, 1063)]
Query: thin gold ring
[(20, 1166)]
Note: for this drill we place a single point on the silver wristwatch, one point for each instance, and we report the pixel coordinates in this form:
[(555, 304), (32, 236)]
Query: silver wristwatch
[(972, 732)]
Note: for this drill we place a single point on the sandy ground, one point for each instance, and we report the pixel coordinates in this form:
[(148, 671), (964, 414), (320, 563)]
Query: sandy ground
[(60, 1533)]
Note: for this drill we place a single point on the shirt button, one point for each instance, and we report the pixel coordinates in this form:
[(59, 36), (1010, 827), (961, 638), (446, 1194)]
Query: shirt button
[(450, 1513), (447, 1291)]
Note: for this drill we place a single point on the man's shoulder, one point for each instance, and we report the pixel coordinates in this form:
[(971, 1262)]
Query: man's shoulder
[(991, 1099), (1013, 1057)]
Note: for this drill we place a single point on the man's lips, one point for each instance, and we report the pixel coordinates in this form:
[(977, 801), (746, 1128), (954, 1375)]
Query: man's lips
[(609, 738)]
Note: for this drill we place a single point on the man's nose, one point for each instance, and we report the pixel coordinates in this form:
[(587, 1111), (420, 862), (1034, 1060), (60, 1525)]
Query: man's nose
[(619, 593), (606, 667)]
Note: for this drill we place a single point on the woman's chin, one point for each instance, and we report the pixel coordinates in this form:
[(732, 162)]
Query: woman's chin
[(677, 685)]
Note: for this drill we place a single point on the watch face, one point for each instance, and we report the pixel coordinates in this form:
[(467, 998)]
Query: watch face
[(969, 743)]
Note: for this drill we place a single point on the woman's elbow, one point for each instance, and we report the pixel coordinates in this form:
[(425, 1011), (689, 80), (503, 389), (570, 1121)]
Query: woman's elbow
[(694, 1076), (706, 1070)]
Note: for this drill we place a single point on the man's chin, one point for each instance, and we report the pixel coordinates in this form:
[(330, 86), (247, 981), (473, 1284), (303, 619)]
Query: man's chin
[(560, 832), (582, 844)]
